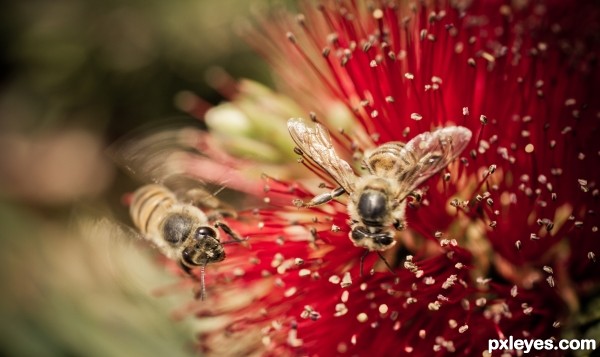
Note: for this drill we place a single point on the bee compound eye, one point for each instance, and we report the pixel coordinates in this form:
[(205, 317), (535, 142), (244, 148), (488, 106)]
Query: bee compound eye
[(177, 228), (358, 233), (384, 239), (206, 231)]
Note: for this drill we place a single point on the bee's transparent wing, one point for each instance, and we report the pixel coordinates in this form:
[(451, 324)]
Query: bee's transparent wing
[(430, 152), (157, 157), (316, 144), (153, 156)]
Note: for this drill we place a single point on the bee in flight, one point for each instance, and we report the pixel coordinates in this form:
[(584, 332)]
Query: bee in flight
[(377, 201), (181, 231)]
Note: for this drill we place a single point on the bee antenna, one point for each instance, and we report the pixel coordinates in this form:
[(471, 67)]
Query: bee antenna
[(362, 261), (386, 263), (202, 285)]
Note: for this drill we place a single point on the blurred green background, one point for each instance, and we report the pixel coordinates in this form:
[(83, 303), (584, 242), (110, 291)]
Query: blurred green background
[(75, 76)]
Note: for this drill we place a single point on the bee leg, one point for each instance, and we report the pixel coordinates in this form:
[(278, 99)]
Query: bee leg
[(362, 261), (234, 236), (320, 199), (386, 263), (186, 269), (399, 226), (202, 292)]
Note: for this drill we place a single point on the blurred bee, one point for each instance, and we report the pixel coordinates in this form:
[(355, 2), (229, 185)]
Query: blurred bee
[(179, 230), (395, 170), (175, 212)]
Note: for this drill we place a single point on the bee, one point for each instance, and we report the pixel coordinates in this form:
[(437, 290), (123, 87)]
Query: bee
[(181, 231), (377, 200)]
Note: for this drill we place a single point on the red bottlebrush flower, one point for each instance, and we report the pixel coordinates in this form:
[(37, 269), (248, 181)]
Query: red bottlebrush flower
[(504, 242)]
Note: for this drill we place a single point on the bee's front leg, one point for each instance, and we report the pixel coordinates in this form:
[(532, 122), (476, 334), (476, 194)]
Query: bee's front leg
[(320, 199), (399, 226), (235, 238)]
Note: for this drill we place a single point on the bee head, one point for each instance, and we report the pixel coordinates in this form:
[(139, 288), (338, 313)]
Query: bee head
[(381, 240), (204, 248), (177, 228), (372, 206)]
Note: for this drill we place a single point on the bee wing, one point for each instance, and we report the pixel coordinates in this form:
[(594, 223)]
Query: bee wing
[(316, 144), (431, 152), (156, 157), (152, 156)]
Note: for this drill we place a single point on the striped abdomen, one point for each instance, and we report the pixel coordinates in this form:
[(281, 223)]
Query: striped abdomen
[(388, 159), (149, 207)]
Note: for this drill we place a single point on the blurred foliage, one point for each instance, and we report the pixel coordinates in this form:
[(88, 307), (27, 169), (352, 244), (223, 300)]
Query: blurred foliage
[(112, 65), (77, 284), (82, 291)]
